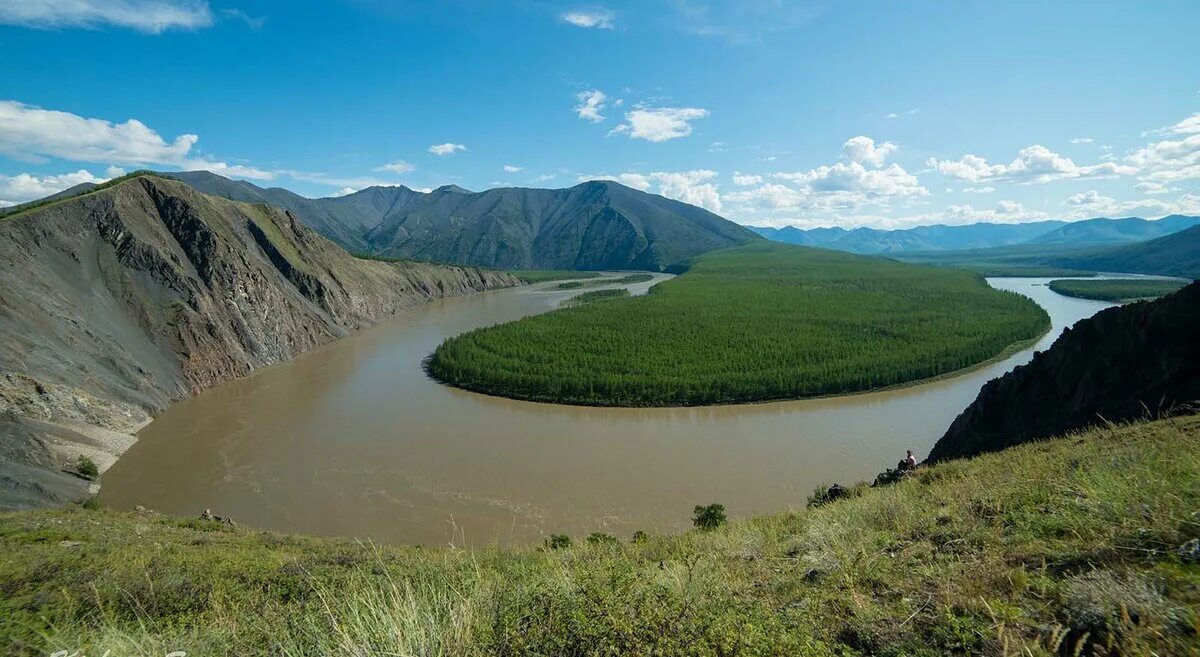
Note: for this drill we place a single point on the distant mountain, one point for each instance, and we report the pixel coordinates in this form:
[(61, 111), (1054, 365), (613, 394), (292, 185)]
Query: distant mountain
[(594, 225), (1119, 365), (1117, 231), (981, 235), (1176, 254)]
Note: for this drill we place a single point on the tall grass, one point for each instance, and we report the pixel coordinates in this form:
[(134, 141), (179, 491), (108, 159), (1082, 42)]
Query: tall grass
[(1067, 547)]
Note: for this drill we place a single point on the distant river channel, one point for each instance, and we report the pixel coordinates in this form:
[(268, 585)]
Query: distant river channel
[(353, 439)]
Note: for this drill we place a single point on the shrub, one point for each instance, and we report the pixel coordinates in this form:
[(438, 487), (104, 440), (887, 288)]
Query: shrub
[(600, 538), (87, 467), (558, 541), (639, 537), (709, 517)]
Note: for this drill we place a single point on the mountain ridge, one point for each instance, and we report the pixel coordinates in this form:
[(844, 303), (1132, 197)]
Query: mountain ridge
[(120, 301)]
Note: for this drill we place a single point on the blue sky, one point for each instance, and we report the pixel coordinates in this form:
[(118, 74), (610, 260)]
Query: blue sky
[(769, 112)]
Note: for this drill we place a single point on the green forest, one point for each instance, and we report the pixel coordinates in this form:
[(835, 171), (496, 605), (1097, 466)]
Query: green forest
[(756, 322), (1117, 289)]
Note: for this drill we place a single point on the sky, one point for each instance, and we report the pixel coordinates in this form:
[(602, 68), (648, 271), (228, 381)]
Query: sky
[(768, 112)]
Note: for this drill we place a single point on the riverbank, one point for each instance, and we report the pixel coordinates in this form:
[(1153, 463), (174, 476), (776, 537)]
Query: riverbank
[(1060, 543), (129, 298)]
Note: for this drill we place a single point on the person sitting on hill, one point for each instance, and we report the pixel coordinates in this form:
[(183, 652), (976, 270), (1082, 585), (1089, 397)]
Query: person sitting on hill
[(909, 462)]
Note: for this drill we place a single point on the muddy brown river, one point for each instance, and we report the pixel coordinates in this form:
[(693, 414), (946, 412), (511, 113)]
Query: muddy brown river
[(353, 439)]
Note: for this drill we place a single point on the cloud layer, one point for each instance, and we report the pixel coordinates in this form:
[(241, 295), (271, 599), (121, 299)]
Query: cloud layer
[(150, 16)]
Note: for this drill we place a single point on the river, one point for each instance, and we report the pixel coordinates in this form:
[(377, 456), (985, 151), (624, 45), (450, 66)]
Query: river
[(353, 439)]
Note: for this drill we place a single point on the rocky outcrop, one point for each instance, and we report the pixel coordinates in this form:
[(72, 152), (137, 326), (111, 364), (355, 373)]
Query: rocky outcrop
[(118, 302), (1125, 363)]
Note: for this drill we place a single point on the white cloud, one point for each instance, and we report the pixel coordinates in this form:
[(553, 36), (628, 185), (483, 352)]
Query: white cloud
[(226, 169), (591, 102), (1151, 188), (601, 19), (114, 172), (544, 177), (1092, 203), (345, 191), (895, 115), (659, 124), (694, 187), (446, 148), (1034, 164), (27, 187), (32, 133), (979, 190), (397, 167), (863, 150), (1089, 198), (745, 180), (718, 147), (508, 168), (1168, 160), (1082, 140), (151, 16), (859, 180)]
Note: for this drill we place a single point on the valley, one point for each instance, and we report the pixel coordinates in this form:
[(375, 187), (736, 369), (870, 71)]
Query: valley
[(376, 449)]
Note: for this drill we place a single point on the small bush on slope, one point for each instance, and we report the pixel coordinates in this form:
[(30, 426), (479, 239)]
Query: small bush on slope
[(1056, 546)]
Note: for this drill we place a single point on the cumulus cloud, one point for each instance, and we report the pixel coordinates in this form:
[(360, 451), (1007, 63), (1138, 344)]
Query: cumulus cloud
[(746, 180), (860, 179), (1171, 159), (1034, 164), (601, 19), (591, 102), (1092, 203), (33, 133), (864, 150), (659, 124), (28, 187), (508, 168), (150, 16), (695, 187), (446, 149)]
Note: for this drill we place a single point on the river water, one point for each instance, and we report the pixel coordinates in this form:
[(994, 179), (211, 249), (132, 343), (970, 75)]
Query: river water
[(353, 439)]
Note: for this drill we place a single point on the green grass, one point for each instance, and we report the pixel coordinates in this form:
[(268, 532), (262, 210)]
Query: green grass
[(757, 322), (1117, 289), (1033, 551), (596, 295), (537, 276)]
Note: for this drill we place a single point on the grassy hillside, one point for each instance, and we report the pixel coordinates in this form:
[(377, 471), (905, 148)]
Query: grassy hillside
[(1071, 546), (1116, 289), (1177, 254), (762, 321)]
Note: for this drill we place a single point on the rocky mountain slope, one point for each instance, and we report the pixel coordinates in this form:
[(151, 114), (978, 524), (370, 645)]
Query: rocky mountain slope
[(115, 303), (1122, 364), (594, 225)]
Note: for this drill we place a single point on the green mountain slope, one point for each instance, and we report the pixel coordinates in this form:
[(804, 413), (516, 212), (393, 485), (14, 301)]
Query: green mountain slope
[(1076, 546), (1177, 254)]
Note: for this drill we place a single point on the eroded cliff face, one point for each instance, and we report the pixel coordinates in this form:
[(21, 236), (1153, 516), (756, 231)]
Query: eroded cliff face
[(1125, 363), (119, 302)]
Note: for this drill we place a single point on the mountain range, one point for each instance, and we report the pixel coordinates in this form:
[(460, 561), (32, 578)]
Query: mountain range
[(1095, 232), (593, 225)]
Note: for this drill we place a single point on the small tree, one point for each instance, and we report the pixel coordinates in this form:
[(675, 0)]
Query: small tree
[(87, 467), (709, 517), (558, 541)]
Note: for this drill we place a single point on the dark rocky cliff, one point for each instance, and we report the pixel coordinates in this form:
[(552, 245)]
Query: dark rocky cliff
[(1122, 364), (118, 302)]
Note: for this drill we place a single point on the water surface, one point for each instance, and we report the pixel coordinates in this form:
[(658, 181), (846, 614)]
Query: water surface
[(353, 439)]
